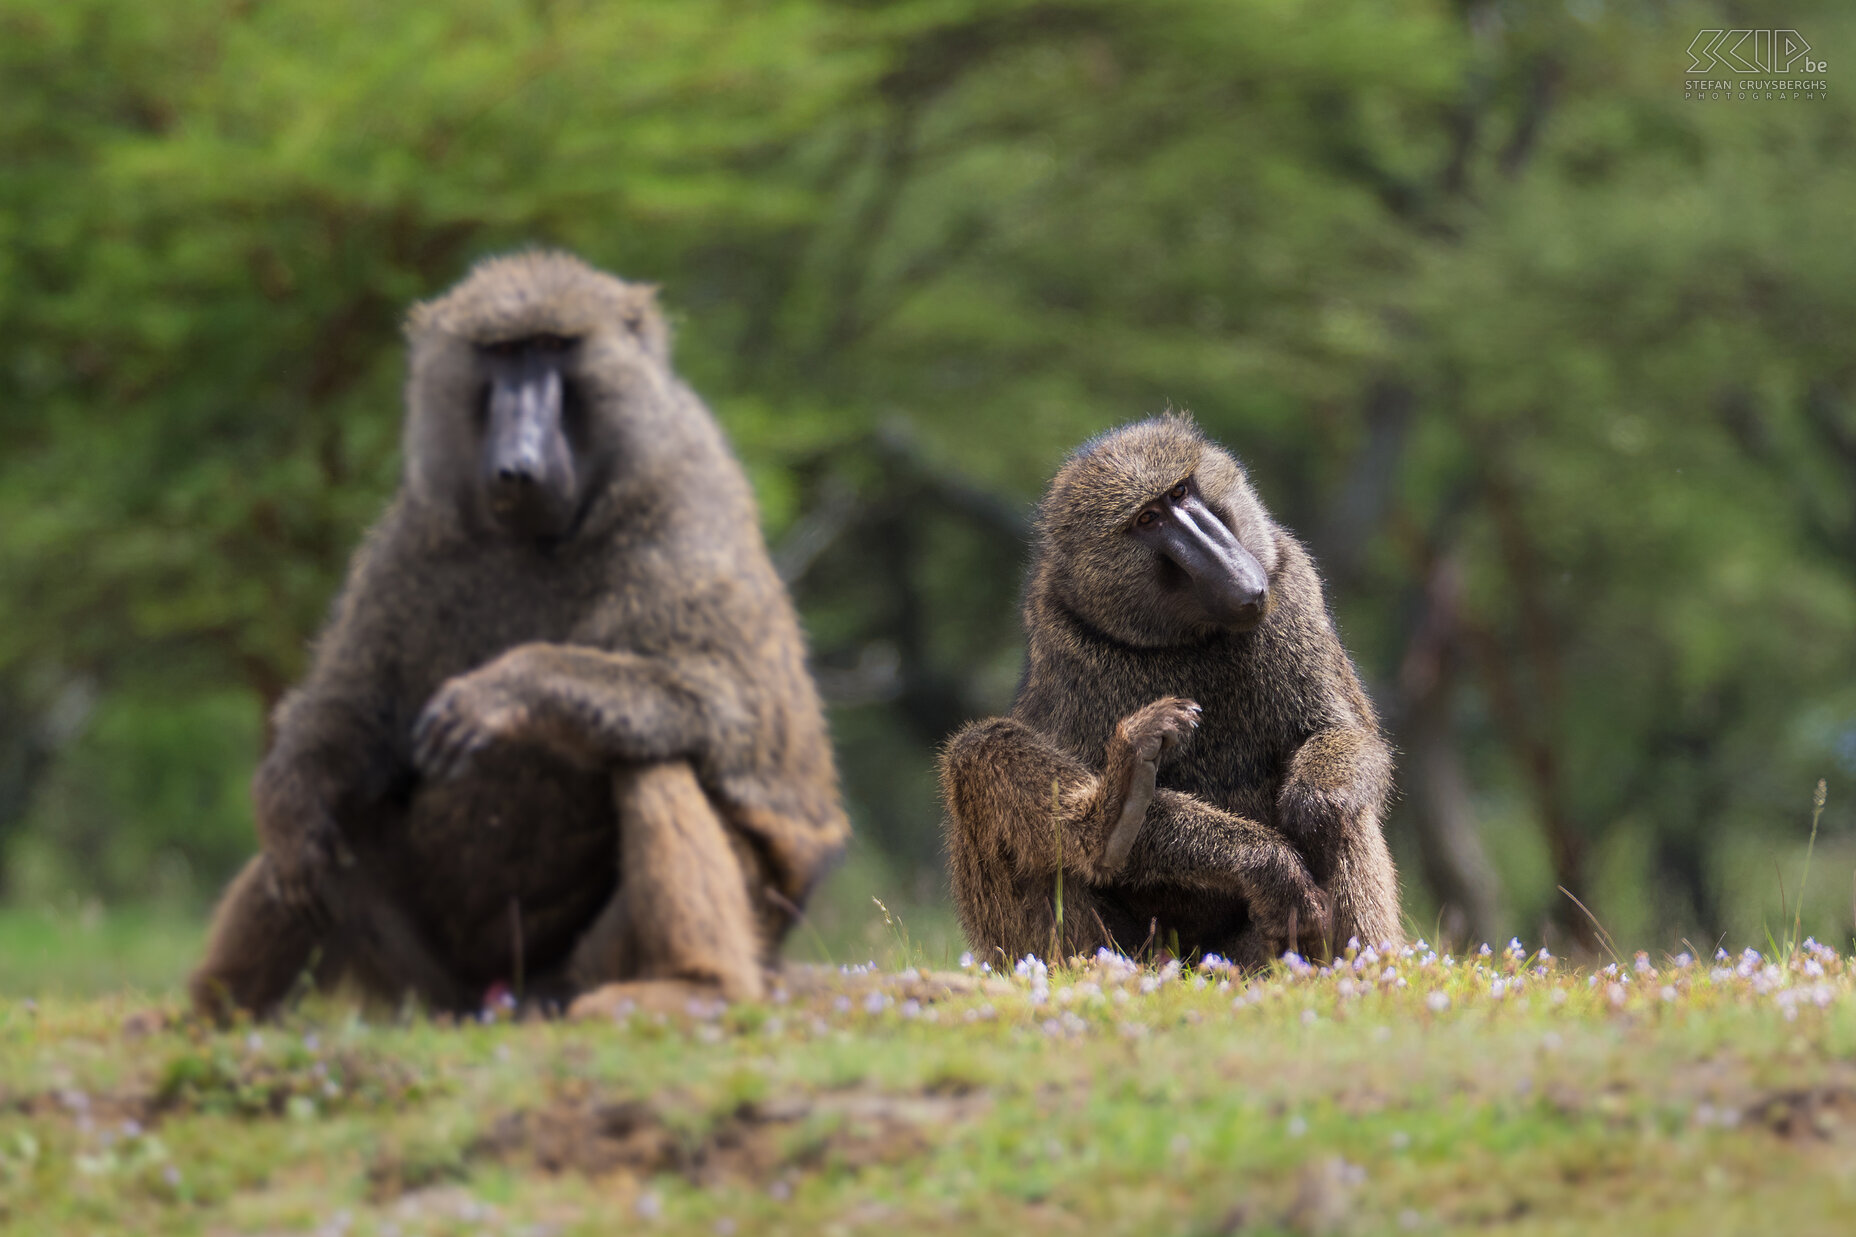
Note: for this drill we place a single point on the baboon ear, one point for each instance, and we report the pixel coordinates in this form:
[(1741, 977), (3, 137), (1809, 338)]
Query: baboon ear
[(645, 321)]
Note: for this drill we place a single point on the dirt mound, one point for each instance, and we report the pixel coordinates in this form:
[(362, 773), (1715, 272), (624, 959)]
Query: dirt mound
[(757, 1143)]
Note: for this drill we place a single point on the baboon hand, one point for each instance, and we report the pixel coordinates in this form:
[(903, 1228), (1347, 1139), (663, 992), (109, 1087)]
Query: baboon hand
[(465, 716), (298, 870), (1156, 729), (1298, 916)]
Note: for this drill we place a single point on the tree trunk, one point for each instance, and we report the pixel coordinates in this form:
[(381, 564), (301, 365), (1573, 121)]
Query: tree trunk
[(1450, 851)]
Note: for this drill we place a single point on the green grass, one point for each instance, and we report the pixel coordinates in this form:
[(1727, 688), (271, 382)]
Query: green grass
[(1684, 1098), (88, 949)]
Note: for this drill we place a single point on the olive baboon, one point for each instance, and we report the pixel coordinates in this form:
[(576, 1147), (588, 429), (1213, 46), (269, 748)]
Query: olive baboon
[(1217, 771), (559, 729)]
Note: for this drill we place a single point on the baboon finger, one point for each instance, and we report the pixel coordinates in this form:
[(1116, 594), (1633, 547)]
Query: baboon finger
[(448, 747)]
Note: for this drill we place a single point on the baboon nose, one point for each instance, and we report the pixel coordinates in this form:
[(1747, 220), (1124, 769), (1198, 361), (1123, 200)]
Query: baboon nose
[(1248, 608)]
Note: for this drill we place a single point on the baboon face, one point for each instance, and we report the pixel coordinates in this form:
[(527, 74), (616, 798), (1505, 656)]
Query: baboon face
[(530, 471), (1200, 559), (528, 383), (1153, 535)]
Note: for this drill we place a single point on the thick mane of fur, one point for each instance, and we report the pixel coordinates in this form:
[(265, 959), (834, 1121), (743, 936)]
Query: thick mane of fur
[(1107, 480), (540, 292)]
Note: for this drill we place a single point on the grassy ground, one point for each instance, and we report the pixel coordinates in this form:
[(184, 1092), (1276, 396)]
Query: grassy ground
[(84, 949), (1391, 1094)]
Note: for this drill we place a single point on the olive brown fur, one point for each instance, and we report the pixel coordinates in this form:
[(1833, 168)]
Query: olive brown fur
[(1219, 772), (559, 730)]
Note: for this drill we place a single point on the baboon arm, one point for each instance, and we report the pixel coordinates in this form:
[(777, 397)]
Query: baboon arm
[(591, 705), (332, 752), (1191, 844), (1335, 777), (996, 778), (1330, 804)]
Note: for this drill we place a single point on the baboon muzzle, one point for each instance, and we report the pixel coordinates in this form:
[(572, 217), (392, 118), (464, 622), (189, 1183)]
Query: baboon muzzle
[(1226, 579), (528, 462)]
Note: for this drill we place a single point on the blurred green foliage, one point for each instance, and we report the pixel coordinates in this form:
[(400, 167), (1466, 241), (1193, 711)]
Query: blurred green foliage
[(1548, 364)]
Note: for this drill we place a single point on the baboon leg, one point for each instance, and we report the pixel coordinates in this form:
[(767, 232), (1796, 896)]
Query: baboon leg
[(1005, 837), (682, 921), (684, 887), (259, 945), (608, 950), (1008, 839), (1016, 798), (256, 948), (376, 936)]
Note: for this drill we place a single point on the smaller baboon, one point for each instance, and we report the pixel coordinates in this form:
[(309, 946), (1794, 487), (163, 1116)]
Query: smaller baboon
[(1190, 746), (559, 730)]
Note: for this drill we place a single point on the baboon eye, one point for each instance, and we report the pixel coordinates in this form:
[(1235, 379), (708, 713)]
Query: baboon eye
[(1179, 491), (1146, 518)]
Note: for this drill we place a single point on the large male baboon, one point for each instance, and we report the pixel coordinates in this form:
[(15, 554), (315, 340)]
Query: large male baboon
[(560, 729), (1218, 773)]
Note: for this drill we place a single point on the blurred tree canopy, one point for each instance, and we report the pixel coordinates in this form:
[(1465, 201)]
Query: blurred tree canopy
[(1549, 364)]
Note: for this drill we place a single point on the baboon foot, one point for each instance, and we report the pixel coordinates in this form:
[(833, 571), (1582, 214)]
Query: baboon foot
[(1254, 950), (1149, 732), (1300, 920), (1156, 729), (675, 998)]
